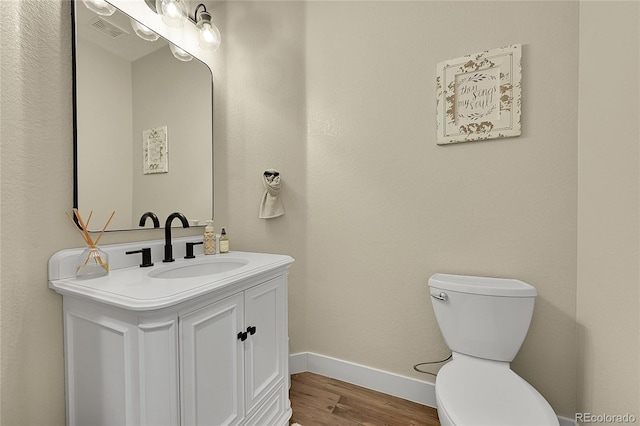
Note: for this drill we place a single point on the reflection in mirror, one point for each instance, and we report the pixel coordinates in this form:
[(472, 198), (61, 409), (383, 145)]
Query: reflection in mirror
[(143, 124)]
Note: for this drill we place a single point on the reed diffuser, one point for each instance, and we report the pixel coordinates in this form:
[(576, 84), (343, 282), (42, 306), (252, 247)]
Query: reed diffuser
[(93, 262)]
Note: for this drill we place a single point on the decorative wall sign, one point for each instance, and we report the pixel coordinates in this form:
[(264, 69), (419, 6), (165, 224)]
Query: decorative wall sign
[(155, 153), (479, 96)]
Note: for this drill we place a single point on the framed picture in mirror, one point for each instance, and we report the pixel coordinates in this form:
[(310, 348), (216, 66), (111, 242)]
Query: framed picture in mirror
[(155, 151)]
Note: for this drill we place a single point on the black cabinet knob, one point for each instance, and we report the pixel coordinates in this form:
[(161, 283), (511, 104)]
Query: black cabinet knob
[(251, 330), (242, 336)]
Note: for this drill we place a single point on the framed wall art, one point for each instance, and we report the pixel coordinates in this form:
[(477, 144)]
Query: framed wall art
[(479, 96), (155, 151)]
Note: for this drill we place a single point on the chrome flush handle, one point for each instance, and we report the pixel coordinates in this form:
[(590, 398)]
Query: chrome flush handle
[(442, 296)]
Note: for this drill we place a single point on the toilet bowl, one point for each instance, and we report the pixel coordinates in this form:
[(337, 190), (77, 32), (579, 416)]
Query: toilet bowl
[(474, 391), (484, 321)]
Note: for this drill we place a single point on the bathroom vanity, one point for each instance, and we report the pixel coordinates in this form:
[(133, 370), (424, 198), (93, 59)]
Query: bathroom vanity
[(195, 341)]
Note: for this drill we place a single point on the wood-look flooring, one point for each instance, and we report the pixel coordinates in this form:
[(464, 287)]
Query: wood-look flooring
[(318, 401)]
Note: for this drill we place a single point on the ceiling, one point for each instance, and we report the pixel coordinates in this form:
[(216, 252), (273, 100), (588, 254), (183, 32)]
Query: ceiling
[(119, 37)]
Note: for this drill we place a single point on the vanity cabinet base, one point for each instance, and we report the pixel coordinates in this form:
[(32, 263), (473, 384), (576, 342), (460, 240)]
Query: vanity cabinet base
[(183, 365)]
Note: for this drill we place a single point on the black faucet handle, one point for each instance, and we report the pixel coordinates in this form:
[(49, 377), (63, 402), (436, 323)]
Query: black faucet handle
[(190, 249), (146, 256)]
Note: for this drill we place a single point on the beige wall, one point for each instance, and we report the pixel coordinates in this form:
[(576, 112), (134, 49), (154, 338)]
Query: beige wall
[(36, 188), (373, 206), (609, 201), (260, 123)]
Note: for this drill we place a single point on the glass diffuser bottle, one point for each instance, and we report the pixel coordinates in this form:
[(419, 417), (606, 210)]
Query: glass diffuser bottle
[(92, 263)]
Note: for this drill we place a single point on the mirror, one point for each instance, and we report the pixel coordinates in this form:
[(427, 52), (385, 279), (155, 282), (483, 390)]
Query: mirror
[(143, 130)]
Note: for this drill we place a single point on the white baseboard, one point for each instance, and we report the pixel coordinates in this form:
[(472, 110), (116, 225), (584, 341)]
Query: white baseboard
[(408, 388), (403, 387)]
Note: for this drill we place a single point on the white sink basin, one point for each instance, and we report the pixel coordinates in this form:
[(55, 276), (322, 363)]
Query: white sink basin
[(199, 268)]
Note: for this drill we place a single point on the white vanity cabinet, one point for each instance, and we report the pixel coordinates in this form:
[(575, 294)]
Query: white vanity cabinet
[(232, 358), (196, 351)]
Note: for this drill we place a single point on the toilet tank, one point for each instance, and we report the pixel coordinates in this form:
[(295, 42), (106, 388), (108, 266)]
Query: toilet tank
[(482, 317)]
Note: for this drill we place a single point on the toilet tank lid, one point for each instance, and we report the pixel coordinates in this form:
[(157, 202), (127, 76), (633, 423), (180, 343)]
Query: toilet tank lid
[(503, 287)]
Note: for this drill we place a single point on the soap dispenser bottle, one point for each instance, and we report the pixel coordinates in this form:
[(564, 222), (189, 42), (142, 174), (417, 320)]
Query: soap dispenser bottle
[(209, 238), (224, 242)]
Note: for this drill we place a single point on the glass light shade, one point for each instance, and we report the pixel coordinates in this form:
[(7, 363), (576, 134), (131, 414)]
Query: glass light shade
[(143, 32), (100, 7), (173, 12), (179, 53), (208, 34)]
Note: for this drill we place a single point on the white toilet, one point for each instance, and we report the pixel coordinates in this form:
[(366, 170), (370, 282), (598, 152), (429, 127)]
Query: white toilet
[(484, 321)]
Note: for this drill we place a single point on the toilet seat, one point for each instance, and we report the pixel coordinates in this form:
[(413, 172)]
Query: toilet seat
[(472, 391)]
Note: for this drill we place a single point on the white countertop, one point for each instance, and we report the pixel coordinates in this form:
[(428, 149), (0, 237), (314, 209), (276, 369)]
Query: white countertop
[(132, 288)]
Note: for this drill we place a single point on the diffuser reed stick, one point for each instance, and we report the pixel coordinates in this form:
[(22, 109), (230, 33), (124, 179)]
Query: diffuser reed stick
[(104, 228), (93, 252)]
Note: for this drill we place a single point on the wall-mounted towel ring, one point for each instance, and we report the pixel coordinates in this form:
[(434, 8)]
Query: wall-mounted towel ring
[(271, 206)]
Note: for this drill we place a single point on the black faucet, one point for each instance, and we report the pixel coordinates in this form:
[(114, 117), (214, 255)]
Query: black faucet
[(168, 248), (154, 218)]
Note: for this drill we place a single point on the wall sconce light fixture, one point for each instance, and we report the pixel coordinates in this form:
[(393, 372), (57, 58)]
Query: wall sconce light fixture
[(143, 32), (208, 33), (179, 53), (100, 7), (173, 12)]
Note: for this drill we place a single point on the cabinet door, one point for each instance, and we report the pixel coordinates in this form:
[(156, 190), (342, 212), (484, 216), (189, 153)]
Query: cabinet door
[(102, 375), (266, 349), (211, 358)]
